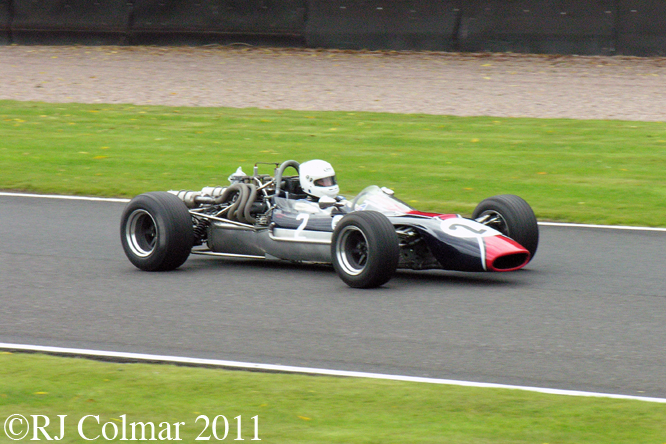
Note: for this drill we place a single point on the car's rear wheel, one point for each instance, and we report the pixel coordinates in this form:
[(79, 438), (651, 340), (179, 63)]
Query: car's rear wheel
[(156, 231), (364, 249), (513, 217)]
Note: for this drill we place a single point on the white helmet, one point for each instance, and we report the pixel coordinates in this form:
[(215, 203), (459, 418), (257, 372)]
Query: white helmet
[(317, 178)]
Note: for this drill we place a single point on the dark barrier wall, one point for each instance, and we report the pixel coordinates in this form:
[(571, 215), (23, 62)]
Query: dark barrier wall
[(382, 24), (5, 21), (641, 28), (220, 16), (33, 19), (607, 27), (538, 26)]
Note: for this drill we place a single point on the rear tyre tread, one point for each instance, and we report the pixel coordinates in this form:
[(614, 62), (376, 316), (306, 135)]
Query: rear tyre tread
[(175, 233)]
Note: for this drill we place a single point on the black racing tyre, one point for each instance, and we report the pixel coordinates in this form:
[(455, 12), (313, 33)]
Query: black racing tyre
[(511, 216), (156, 231), (365, 249)]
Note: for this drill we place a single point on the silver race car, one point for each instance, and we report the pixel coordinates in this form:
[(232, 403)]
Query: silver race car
[(301, 217)]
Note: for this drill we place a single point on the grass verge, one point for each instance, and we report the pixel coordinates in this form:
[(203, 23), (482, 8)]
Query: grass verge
[(307, 409), (608, 172)]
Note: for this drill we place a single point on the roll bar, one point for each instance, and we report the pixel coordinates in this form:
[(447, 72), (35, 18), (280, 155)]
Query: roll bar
[(278, 174)]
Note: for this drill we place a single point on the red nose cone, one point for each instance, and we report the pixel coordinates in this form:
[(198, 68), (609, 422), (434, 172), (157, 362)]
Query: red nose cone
[(504, 254)]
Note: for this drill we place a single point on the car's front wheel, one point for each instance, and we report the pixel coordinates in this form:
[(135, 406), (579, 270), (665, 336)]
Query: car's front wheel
[(364, 249), (513, 217), (156, 231)]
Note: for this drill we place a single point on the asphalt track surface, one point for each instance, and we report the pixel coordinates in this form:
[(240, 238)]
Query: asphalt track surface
[(586, 314)]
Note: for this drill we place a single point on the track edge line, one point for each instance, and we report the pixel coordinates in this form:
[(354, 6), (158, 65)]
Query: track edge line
[(200, 362)]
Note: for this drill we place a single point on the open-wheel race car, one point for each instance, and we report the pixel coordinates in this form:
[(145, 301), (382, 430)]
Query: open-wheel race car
[(301, 218)]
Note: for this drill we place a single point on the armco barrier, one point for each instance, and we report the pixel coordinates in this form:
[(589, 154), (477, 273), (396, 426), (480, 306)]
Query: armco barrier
[(37, 21), (641, 28), (382, 24), (277, 17), (538, 26), (5, 21)]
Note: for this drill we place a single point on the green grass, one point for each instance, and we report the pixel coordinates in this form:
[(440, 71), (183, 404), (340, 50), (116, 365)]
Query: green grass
[(608, 172), (307, 409)]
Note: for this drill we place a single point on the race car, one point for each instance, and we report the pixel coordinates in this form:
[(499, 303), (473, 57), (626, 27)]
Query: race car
[(301, 217)]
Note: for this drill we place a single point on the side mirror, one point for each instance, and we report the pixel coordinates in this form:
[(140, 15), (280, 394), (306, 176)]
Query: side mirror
[(327, 202)]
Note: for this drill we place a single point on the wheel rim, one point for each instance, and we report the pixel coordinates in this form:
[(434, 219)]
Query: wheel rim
[(141, 233), (495, 220), (351, 250)]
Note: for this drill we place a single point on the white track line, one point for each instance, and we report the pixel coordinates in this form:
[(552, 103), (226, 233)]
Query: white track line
[(63, 197), (606, 227), (545, 224), (120, 356)]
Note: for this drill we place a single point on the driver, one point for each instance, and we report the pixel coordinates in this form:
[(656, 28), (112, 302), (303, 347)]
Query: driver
[(317, 178)]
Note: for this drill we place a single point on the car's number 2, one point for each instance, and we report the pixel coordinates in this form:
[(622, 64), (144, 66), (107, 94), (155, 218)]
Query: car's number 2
[(465, 228), (305, 217)]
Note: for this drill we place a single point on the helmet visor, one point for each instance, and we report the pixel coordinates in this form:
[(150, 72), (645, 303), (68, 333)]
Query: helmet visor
[(325, 181)]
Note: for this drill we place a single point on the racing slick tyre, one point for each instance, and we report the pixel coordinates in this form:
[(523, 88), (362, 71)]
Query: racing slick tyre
[(511, 216), (365, 249), (156, 231)]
